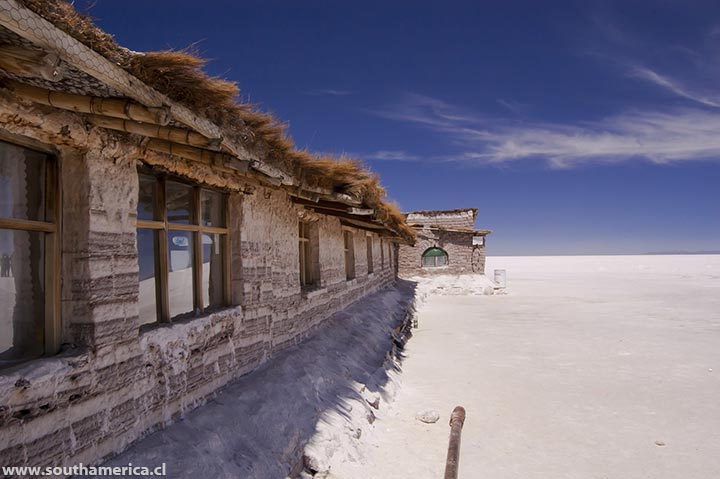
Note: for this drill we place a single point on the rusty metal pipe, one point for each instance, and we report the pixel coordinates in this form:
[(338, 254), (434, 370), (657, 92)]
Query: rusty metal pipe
[(457, 419)]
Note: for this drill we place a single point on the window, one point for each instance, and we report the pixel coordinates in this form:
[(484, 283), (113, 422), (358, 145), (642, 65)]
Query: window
[(478, 241), (183, 248), (433, 257), (369, 244), (349, 255), (382, 254), (29, 256), (308, 249)]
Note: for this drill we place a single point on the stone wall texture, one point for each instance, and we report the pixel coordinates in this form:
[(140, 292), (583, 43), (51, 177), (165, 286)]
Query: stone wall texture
[(112, 383)]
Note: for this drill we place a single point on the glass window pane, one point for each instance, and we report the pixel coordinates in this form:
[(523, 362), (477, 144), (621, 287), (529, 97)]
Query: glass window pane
[(22, 295), (213, 208), (147, 260), (180, 281), (178, 197), (434, 257), (22, 183), (213, 278), (147, 198)]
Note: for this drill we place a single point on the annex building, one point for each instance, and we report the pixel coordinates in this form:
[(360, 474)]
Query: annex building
[(447, 243)]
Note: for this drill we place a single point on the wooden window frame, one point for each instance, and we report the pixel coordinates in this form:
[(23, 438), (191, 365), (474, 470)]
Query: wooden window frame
[(163, 226), (51, 227)]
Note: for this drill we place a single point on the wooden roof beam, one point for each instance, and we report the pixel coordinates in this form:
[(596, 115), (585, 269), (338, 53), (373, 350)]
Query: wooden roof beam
[(199, 155), (334, 206), (168, 133), (110, 107), (346, 215)]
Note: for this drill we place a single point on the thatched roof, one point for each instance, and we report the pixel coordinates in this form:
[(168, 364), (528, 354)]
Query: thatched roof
[(179, 75)]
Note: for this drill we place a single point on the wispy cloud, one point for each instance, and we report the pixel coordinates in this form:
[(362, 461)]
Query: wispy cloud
[(329, 92), (391, 155), (661, 137), (681, 135), (686, 129), (673, 86), (425, 110), (513, 106)]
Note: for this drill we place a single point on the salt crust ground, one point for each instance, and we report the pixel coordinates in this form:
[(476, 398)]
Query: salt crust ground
[(589, 367), (257, 426)]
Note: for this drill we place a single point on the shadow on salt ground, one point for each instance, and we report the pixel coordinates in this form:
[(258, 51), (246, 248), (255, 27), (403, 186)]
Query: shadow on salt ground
[(257, 426)]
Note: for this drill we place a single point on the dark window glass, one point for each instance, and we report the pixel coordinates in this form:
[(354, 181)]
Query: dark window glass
[(213, 273), (349, 255), (147, 198), (382, 254), (178, 197), (180, 281), (213, 210), (308, 239), (147, 260), (22, 295), (369, 243), (22, 183)]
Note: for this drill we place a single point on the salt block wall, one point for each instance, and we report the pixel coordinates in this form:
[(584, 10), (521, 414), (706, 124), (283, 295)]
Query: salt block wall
[(113, 383), (463, 256)]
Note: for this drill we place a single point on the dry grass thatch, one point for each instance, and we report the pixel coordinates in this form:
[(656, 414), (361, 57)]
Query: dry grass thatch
[(180, 76)]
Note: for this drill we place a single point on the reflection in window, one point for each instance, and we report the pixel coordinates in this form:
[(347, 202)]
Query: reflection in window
[(213, 282), (22, 183), (213, 208), (147, 261), (180, 280), (22, 299), (27, 245), (433, 257), (182, 249), (147, 200), (178, 198)]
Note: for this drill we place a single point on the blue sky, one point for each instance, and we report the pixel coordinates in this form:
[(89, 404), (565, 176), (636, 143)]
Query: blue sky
[(575, 127)]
